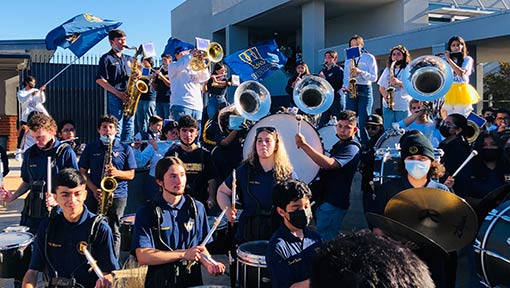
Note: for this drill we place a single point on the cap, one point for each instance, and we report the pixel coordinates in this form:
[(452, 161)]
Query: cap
[(179, 49), (416, 144), (374, 119)]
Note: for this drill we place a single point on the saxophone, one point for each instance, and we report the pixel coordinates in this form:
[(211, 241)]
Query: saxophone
[(390, 91), (352, 82), (108, 183), (135, 86)]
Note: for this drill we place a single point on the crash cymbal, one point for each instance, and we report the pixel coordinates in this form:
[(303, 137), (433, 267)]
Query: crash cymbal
[(438, 214), (402, 233)]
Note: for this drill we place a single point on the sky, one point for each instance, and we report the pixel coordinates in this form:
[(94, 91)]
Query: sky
[(143, 21)]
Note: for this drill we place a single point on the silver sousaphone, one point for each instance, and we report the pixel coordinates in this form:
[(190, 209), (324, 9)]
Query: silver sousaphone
[(427, 78), (313, 95)]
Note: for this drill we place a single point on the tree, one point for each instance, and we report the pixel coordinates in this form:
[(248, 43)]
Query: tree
[(497, 85)]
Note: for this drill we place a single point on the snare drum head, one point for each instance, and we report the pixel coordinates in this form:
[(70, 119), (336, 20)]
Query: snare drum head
[(389, 139), (128, 219), (253, 252), (9, 240), (16, 228), (286, 125), (328, 137)]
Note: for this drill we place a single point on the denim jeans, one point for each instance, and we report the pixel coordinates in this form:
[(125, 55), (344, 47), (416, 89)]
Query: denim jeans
[(163, 110), (337, 106), (390, 116), (362, 105), (212, 104), (329, 220), (145, 110), (114, 214), (126, 126), (176, 111)]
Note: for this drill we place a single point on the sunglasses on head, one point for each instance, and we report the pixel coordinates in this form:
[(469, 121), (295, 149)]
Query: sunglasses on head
[(265, 128)]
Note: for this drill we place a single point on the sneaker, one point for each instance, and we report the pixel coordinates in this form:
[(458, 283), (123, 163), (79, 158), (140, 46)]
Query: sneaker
[(18, 155)]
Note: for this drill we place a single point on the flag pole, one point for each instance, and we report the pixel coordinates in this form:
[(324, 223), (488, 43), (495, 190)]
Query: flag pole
[(61, 71)]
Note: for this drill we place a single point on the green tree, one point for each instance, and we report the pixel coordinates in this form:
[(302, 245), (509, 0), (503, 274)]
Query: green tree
[(497, 85)]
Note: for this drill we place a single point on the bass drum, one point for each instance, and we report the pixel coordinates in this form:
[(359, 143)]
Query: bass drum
[(390, 139), (328, 137), (492, 247), (286, 125)]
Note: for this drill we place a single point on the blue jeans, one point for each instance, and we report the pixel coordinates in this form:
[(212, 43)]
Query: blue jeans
[(329, 220), (163, 110), (145, 110), (176, 111), (362, 105), (212, 104), (390, 116), (126, 126), (337, 106)]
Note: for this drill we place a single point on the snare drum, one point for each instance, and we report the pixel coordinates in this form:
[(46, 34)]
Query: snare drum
[(492, 247), (251, 265), (220, 236), (16, 228), (287, 127), (15, 253), (328, 137), (390, 139), (126, 232)]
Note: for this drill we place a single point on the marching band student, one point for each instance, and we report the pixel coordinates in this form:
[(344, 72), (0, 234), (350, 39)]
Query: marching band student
[(161, 84), (168, 232), (152, 133), (154, 152), (419, 120), (502, 121), (94, 166), (336, 175), (113, 75), (61, 235), (217, 88), (67, 132), (398, 109), (31, 100), (301, 71), (334, 75), (200, 182), (291, 248), (147, 103), (462, 95), (364, 69)]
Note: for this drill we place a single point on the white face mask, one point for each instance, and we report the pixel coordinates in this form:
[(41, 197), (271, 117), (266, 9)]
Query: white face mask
[(416, 168)]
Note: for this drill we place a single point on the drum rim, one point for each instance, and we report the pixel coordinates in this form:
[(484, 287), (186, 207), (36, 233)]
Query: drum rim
[(15, 227), (244, 256), (25, 243)]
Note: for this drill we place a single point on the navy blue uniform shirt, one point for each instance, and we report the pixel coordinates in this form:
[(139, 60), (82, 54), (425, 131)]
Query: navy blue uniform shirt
[(179, 229), (335, 77), (338, 181), (35, 162), (115, 70), (123, 158), (288, 258), (63, 253)]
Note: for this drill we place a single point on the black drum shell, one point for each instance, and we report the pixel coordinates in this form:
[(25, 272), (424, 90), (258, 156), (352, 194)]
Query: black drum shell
[(14, 260), (251, 265)]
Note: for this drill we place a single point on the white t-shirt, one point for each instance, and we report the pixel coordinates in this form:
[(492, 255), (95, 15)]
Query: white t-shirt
[(402, 98), (30, 103)]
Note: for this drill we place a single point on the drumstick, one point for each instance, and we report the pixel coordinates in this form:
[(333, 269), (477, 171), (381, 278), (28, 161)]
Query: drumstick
[(299, 118), (82, 248), (48, 191), (2, 183), (234, 190), (473, 154)]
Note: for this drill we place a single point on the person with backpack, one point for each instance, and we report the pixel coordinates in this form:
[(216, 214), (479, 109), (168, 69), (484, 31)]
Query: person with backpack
[(169, 232), (336, 174), (64, 233)]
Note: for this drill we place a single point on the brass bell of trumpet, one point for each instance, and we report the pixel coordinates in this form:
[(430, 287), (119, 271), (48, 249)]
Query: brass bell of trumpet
[(252, 100), (313, 95), (213, 53), (427, 78)]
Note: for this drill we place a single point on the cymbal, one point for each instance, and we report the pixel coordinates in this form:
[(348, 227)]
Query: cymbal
[(401, 232), (438, 214)]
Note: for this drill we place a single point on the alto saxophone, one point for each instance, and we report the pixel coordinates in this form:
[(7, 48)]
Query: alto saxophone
[(390, 91), (108, 183), (352, 82), (135, 86)]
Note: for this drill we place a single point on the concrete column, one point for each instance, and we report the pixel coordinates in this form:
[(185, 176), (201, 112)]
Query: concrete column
[(236, 38), (312, 25), (479, 86)]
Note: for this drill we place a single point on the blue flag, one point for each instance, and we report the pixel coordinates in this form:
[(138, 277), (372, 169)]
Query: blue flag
[(174, 43), (256, 62), (80, 33)]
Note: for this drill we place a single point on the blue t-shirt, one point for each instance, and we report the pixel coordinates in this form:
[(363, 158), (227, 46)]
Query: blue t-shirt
[(338, 181), (288, 258), (123, 158), (35, 162), (62, 248), (179, 228), (116, 70)]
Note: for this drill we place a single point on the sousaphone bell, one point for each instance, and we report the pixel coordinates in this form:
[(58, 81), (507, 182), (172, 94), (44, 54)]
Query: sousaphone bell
[(252, 100), (313, 95), (427, 78)]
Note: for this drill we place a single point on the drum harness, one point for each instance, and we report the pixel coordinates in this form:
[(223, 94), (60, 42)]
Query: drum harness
[(61, 282), (165, 271)]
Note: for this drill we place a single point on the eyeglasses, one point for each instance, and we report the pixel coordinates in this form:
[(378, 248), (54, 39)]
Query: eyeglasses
[(68, 130), (503, 119), (449, 125), (372, 127), (265, 128)]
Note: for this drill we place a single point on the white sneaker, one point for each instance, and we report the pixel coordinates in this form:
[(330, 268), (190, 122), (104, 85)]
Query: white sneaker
[(18, 155)]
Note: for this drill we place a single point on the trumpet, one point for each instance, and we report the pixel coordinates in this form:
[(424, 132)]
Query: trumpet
[(213, 53), (352, 82)]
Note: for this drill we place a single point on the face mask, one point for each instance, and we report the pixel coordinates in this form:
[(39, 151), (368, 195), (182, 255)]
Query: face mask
[(400, 63), (490, 154), (300, 218), (105, 139), (444, 130), (31, 86), (417, 169), (117, 49)]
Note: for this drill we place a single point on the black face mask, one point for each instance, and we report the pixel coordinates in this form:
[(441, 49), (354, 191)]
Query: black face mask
[(31, 86), (490, 155), (300, 218), (445, 131), (400, 63)]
